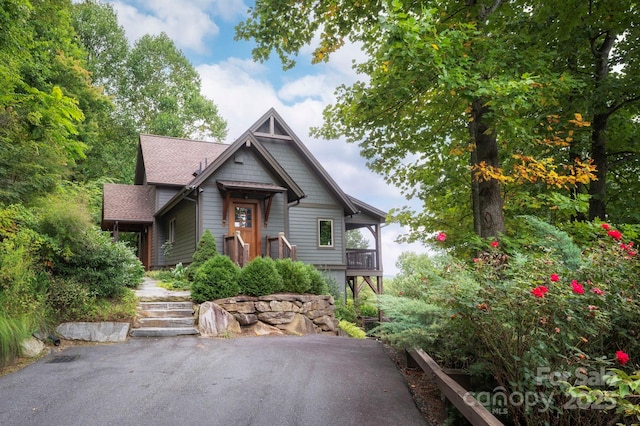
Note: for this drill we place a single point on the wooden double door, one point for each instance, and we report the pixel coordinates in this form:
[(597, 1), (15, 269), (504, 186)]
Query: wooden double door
[(245, 218)]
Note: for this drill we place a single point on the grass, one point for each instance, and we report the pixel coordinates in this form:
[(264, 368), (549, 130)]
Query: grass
[(119, 309), (12, 332)]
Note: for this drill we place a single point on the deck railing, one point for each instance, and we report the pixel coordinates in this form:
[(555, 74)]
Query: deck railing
[(279, 248), (236, 249), (362, 259)]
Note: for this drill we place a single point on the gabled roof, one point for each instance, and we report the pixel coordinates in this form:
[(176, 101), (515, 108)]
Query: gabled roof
[(130, 203), (271, 125), (369, 209), (172, 161)]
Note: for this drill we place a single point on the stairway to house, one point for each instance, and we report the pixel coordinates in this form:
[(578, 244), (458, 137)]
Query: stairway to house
[(163, 313)]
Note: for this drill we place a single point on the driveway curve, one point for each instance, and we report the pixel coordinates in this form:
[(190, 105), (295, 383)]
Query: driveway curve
[(307, 381)]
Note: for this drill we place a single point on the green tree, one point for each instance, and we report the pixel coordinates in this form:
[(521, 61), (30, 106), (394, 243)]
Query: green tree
[(155, 89), (355, 240), (41, 80), (597, 43), (448, 86)]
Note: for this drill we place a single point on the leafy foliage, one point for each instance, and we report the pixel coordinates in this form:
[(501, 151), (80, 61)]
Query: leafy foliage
[(260, 277), (205, 250), (352, 330), (294, 274), (216, 278), (317, 281), (513, 314), (13, 330)]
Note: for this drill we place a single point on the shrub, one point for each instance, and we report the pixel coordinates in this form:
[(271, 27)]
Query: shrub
[(295, 276), (513, 314), (70, 300), (260, 277), (317, 281), (367, 310), (205, 250), (345, 310), (216, 278), (106, 268), (352, 330)]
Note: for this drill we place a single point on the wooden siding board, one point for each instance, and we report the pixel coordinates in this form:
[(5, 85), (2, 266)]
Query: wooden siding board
[(185, 243), (299, 171), (303, 230)]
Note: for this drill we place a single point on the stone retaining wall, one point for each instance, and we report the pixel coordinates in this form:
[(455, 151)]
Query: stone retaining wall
[(275, 314)]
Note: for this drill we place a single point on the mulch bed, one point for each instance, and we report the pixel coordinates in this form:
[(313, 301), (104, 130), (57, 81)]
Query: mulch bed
[(423, 388)]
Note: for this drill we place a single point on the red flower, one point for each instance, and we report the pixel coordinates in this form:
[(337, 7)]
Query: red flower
[(622, 357), (597, 291), (441, 236), (494, 244), (605, 226), (616, 235), (577, 288), (539, 291), (554, 277)]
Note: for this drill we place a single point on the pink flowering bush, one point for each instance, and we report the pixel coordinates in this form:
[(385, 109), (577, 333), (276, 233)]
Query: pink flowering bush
[(552, 306)]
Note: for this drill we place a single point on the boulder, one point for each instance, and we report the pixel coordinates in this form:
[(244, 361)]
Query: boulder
[(300, 325), (94, 331), (244, 307), (275, 318), (246, 319), (283, 306), (262, 329), (214, 321), (31, 347), (326, 323)]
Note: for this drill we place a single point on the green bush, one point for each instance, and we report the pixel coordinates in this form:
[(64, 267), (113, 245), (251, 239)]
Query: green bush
[(317, 282), (70, 300), (352, 330), (105, 267), (512, 314), (205, 250), (345, 310), (367, 310), (216, 278), (260, 277), (295, 276)]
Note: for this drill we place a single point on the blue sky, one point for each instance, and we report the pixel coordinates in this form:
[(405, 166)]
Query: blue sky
[(244, 90)]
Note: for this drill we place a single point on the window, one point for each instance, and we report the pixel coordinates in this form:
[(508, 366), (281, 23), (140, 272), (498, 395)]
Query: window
[(172, 230), (325, 232)]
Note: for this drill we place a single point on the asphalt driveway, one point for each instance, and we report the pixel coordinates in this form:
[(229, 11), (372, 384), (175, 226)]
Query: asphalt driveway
[(309, 380)]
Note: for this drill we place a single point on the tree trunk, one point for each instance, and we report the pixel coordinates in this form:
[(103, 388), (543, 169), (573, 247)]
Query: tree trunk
[(598, 188), (488, 204)]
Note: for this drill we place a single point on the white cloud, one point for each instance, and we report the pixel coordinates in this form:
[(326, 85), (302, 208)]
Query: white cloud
[(186, 22)]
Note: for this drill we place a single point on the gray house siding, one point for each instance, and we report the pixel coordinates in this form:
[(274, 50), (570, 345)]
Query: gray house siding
[(184, 215), (299, 171), (304, 234), (248, 168)]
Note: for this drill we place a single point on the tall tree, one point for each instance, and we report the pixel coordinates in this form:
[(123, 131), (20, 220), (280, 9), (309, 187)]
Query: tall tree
[(40, 81), (443, 78), (597, 42), (155, 89)]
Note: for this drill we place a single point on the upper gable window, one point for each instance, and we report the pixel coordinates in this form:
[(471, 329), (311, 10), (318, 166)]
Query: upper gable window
[(325, 232), (273, 128)]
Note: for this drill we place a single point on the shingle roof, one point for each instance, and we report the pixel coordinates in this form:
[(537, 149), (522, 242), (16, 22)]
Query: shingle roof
[(172, 161), (130, 203)]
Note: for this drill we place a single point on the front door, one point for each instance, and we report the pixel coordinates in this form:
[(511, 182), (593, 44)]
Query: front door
[(246, 219)]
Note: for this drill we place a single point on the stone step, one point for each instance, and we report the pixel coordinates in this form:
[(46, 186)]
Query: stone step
[(165, 313), (165, 322), (163, 331), (165, 305)]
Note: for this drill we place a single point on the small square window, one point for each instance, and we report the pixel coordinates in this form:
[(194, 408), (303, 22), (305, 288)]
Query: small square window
[(325, 232)]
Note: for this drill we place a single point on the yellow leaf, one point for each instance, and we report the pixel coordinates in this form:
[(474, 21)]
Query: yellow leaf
[(435, 46)]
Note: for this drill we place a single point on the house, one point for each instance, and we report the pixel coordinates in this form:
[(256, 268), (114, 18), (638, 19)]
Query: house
[(263, 195)]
